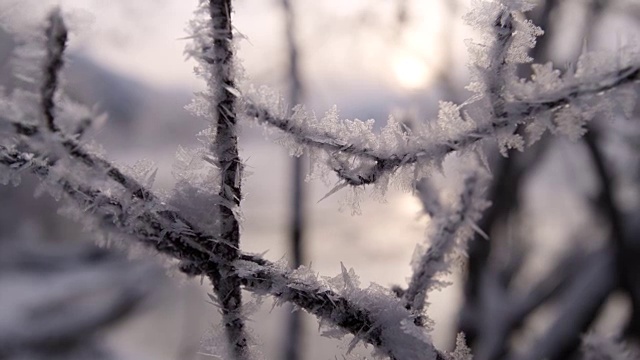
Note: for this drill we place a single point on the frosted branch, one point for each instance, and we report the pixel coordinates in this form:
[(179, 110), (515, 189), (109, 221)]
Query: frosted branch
[(224, 146), (424, 150), (447, 237), (372, 316)]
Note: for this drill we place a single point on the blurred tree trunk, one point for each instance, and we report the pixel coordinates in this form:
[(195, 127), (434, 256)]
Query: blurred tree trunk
[(295, 334)]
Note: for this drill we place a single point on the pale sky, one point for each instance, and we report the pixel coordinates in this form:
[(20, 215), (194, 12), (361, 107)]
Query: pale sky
[(144, 38)]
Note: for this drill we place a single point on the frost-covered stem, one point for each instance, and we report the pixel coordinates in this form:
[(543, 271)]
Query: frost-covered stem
[(324, 141), (56, 35), (147, 228), (157, 227), (225, 148), (503, 195), (444, 242), (76, 151), (516, 111), (56, 38), (495, 74)]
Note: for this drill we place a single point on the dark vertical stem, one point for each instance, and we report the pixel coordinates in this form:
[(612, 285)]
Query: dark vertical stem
[(56, 34), (295, 331), (294, 98), (608, 204), (402, 16), (295, 335), (225, 147)]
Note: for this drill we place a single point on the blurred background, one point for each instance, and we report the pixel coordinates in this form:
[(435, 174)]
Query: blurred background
[(551, 220)]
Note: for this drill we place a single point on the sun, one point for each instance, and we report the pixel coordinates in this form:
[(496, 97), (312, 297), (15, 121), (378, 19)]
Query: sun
[(410, 71)]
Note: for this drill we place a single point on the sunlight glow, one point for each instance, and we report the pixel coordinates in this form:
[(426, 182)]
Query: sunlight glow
[(410, 71)]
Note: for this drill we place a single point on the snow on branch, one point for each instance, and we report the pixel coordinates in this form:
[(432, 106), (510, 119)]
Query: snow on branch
[(373, 315)]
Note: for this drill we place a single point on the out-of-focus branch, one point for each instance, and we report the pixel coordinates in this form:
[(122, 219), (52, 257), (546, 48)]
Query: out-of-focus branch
[(577, 308), (500, 312), (626, 254), (609, 207), (57, 298), (295, 333)]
